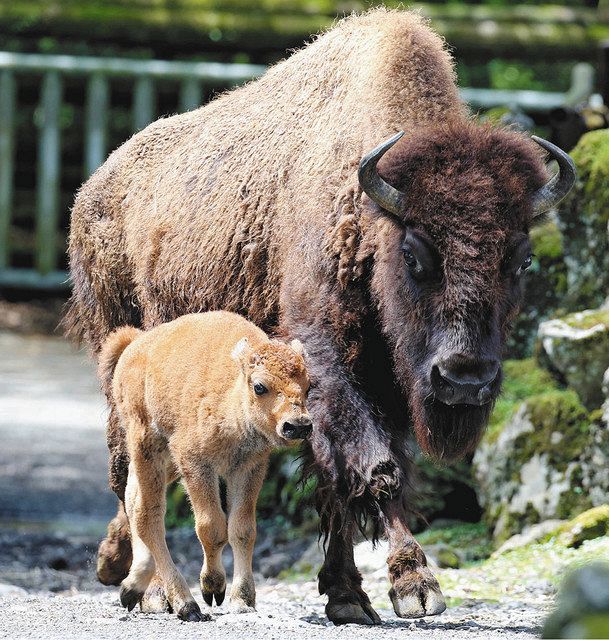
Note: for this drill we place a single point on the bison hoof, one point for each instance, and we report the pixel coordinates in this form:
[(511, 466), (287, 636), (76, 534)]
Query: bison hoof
[(350, 613), (424, 601), (130, 597), (210, 596), (190, 612)]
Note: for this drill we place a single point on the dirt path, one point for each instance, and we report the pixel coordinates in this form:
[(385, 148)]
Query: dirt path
[(53, 457)]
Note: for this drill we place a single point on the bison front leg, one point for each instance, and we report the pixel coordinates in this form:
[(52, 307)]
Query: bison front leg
[(414, 592), (340, 580)]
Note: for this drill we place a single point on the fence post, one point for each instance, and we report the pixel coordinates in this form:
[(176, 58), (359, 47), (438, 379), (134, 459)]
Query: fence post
[(143, 103), (190, 94), (7, 148), (48, 183), (96, 122)]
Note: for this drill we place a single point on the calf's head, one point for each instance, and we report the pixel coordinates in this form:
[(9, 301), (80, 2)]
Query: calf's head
[(275, 385), (457, 202)]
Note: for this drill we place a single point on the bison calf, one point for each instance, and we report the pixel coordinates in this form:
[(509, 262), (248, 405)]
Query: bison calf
[(202, 397)]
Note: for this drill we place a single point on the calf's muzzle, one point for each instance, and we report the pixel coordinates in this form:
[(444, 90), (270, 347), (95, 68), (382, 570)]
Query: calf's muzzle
[(297, 429)]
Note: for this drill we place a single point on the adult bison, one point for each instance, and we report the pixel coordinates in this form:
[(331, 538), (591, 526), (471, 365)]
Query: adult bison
[(401, 282)]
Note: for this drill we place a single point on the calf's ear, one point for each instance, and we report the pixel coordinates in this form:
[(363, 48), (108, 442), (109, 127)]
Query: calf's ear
[(242, 352), (298, 347)]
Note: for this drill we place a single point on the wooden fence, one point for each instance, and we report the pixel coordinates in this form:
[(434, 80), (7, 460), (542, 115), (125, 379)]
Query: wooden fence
[(190, 80)]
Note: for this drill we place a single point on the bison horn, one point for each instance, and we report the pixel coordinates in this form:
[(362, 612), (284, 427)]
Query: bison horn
[(374, 186), (559, 184)]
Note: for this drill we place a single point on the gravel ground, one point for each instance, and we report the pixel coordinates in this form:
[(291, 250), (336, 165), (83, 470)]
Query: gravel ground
[(284, 611)]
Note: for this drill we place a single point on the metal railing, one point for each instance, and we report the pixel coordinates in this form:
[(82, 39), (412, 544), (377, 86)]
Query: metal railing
[(191, 78)]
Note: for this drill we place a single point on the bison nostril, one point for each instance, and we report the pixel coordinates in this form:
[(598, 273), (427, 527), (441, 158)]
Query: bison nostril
[(456, 382), (485, 394)]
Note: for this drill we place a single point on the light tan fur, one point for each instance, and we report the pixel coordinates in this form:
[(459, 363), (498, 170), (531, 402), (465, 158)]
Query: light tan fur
[(184, 393)]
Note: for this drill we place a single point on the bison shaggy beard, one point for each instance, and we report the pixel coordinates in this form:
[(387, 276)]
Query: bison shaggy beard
[(447, 432)]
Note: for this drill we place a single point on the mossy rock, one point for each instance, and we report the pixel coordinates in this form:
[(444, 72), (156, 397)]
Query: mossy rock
[(545, 459), (583, 217), (577, 347), (582, 608), (544, 289), (589, 525)]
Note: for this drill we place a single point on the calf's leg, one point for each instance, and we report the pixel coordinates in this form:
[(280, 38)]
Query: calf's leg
[(414, 592), (242, 492), (146, 516), (210, 524)]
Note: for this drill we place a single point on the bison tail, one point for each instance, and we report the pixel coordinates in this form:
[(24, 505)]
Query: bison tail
[(110, 353)]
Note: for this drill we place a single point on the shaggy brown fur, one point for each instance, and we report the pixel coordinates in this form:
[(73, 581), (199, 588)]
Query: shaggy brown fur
[(204, 396), (252, 204)]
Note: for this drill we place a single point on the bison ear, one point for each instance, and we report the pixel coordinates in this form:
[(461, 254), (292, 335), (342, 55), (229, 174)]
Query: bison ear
[(242, 352), (298, 347)]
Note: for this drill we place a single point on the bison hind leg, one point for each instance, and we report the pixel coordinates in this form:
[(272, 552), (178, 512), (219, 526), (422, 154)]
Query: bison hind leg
[(114, 555)]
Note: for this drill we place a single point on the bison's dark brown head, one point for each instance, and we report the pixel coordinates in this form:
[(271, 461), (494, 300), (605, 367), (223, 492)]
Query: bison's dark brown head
[(448, 270)]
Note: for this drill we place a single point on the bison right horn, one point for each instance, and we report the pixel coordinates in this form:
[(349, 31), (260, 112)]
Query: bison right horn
[(560, 184), (386, 196)]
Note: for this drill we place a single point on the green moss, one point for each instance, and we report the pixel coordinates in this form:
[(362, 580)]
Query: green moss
[(589, 525), (546, 241), (501, 577), (587, 319), (591, 155), (583, 219), (522, 379), (558, 411)]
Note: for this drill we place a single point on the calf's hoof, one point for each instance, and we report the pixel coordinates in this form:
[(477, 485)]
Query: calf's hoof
[(155, 599), (210, 596), (213, 587), (130, 597), (190, 612), (351, 613), (417, 594)]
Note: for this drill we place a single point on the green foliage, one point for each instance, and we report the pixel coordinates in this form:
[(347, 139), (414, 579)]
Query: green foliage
[(473, 541), (510, 75), (284, 501), (179, 513)]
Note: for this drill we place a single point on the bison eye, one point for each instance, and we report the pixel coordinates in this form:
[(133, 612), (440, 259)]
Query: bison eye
[(411, 262), (259, 389), (419, 255), (526, 264)]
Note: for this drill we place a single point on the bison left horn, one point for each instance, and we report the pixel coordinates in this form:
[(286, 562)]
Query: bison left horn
[(386, 196), (559, 184)]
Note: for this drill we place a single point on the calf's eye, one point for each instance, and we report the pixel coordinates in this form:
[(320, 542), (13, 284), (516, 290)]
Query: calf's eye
[(259, 389)]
